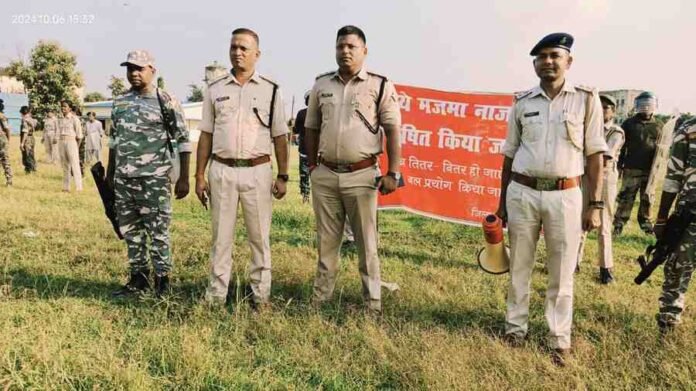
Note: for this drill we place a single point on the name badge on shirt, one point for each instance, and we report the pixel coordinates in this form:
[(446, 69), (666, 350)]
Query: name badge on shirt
[(222, 98), (532, 114)]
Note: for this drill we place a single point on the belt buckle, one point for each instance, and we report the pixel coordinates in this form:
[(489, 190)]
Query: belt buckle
[(342, 168), (546, 184), (243, 163)]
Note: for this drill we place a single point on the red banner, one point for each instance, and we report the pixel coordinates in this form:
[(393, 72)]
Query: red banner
[(451, 153)]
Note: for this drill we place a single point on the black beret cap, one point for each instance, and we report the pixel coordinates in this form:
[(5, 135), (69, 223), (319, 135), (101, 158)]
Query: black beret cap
[(555, 40)]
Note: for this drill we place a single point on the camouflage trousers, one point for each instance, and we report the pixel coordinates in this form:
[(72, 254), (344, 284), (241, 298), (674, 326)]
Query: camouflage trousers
[(678, 271), (5, 158), (633, 181), (81, 153), (304, 176), (28, 156), (144, 210)]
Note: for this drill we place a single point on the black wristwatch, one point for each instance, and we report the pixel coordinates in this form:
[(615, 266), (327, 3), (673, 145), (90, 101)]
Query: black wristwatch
[(597, 204), (283, 177), (395, 175)]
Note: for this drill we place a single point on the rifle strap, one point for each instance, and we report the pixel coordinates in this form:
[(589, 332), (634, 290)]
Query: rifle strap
[(166, 120)]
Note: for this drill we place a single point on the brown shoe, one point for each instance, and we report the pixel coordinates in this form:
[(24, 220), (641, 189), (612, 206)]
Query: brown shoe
[(560, 356)]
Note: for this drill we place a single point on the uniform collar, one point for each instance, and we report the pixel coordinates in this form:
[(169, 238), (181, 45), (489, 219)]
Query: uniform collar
[(362, 74), (255, 77), (568, 86)]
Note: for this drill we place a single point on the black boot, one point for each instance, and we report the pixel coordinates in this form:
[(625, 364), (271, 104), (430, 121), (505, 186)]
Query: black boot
[(161, 285), (138, 283), (605, 276)]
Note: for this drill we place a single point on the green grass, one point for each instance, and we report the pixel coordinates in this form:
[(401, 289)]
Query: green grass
[(59, 328)]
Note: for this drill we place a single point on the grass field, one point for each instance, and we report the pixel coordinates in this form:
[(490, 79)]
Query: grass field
[(60, 329)]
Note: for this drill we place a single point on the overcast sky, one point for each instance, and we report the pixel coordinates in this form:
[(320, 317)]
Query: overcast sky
[(448, 45)]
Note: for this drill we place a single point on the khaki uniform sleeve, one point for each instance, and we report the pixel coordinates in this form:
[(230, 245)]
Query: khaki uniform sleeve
[(389, 109), (78, 127), (208, 116), (313, 118), (614, 144), (512, 140), (594, 128), (280, 125)]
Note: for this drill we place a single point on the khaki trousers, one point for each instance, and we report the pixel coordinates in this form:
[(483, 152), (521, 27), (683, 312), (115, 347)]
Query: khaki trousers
[(560, 215), (70, 160), (337, 196), (250, 186)]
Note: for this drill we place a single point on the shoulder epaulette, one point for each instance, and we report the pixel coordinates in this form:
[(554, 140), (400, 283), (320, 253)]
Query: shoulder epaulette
[(591, 90), (269, 80), (522, 95), (325, 74), (217, 79), (377, 75)]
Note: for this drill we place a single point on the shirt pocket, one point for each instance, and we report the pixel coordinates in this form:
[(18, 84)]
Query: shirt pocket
[(262, 112), (225, 108), (327, 106), (532, 128), (574, 130), (364, 108)]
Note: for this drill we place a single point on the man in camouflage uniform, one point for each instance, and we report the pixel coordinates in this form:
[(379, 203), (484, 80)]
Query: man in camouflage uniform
[(680, 180), (299, 130), (81, 145), (4, 144), (139, 163), (27, 141), (642, 132)]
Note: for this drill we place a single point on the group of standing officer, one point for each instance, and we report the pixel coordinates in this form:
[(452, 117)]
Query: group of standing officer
[(349, 114)]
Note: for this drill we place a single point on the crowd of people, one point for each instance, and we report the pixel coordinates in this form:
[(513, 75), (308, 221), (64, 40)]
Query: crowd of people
[(69, 140)]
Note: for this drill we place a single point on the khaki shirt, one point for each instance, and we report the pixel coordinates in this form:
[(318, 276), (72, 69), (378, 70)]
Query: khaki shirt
[(335, 109), (238, 116), (548, 138), (70, 126), (615, 137), (51, 127)]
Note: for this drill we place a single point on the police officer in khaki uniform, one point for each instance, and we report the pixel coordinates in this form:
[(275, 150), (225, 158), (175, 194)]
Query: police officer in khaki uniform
[(553, 129), (343, 138), (614, 136), (243, 117), (70, 130), (51, 136)]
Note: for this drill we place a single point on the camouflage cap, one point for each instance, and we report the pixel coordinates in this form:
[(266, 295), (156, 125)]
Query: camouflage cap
[(140, 58)]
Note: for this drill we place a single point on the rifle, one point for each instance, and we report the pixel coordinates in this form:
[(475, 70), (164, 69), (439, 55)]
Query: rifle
[(106, 192), (666, 246)]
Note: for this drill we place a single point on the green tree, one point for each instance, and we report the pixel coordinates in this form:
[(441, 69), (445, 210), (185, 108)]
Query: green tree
[(160, 82), (196, 94), (50, 76), (94, 97), (117, 86)]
